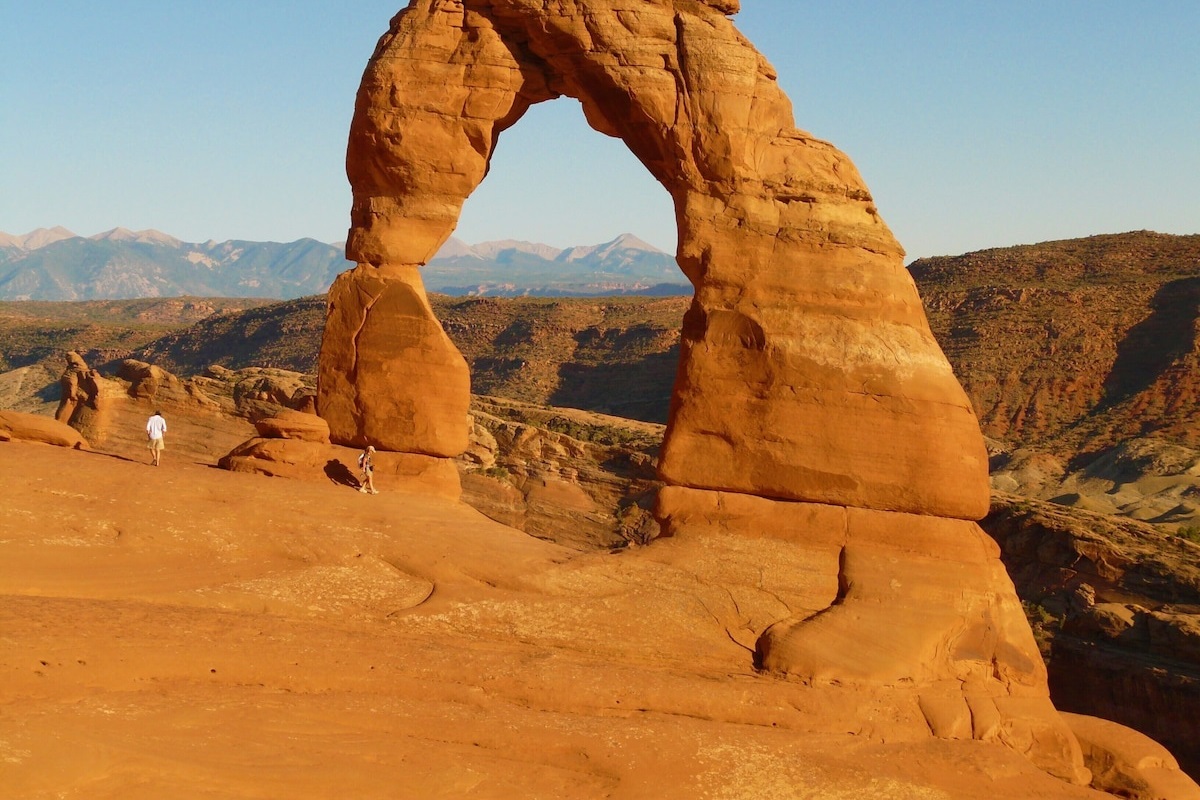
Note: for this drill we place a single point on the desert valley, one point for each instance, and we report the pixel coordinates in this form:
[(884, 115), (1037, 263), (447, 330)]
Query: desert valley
[(819, 524)]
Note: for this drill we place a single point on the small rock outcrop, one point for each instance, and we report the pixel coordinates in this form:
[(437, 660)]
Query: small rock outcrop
[(288, 424), (145, 380), (1126, 763), (87, 400), (19, 426)]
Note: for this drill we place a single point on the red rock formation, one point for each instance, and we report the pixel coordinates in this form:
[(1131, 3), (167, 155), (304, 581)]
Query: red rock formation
[(811, 403), (22, 427), (288, 424), (85, 400), (805, 332), (76, 386), (389, 374)]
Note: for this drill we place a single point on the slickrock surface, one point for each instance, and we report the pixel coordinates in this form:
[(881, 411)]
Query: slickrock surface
[(289, 424), (190, 632)]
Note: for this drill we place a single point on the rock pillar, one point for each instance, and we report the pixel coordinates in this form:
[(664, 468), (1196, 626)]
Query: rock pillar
[(389, 374)]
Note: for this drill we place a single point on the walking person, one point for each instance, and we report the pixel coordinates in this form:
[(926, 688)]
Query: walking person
[(366, 463), (156, 427)]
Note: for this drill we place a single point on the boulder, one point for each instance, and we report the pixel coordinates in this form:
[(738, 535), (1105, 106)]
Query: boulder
[(145, 380), (19, 426), (259, 391), (288, 424), (1126, 763)]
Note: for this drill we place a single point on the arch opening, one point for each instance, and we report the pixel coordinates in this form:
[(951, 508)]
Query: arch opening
[(554, 180)]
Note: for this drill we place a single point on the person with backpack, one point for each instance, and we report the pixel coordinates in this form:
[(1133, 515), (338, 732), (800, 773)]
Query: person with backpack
[(366, 464)]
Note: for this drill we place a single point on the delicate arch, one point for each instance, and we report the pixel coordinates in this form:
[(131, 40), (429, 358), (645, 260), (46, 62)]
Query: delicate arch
[(807, 368)]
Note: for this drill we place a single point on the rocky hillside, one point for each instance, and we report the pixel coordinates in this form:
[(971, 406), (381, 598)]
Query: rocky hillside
[(33, 331), (611, 355), (1116, 606), (285, 335), (614, 355), (1073, 346)]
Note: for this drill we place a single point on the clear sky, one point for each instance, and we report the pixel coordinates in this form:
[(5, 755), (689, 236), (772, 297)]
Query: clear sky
[(974, 124)]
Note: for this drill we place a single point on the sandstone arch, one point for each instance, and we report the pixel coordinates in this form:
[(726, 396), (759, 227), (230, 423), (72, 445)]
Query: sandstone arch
[(806, 331), (811, 404)]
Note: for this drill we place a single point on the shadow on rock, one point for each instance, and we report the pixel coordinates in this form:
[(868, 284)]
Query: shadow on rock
[(340, 473)]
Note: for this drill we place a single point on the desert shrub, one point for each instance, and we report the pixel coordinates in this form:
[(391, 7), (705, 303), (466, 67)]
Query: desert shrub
[(496, 472), (1037, 613), (1189, 532), (596, 434), (1043, 624)]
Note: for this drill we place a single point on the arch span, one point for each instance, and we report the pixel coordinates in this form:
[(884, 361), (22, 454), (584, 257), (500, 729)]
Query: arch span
[(808, 370)]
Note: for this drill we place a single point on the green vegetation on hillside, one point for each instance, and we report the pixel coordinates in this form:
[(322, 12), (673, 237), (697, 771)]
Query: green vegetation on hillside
[(101, 330)]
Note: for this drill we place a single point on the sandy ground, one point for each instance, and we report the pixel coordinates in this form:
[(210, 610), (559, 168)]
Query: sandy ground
[(186, 632)]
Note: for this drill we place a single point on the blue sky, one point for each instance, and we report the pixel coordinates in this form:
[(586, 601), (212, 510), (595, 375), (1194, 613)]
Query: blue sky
[(974, 124)]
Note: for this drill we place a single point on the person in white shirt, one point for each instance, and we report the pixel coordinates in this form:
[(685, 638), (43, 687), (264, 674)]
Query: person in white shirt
[(156, 426)]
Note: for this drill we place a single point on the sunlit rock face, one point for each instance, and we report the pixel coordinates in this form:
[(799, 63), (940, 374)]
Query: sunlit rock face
[(808, 371), (812, 402), (389, 375)]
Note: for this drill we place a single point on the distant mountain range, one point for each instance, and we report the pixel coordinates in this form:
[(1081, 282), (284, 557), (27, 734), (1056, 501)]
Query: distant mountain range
[(56, 264)]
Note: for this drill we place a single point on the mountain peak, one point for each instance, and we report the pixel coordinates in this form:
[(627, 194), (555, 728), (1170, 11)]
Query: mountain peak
[(630, 242), (148, 236), (626, 241), (454, 248), (491, 249), (36, 239)]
